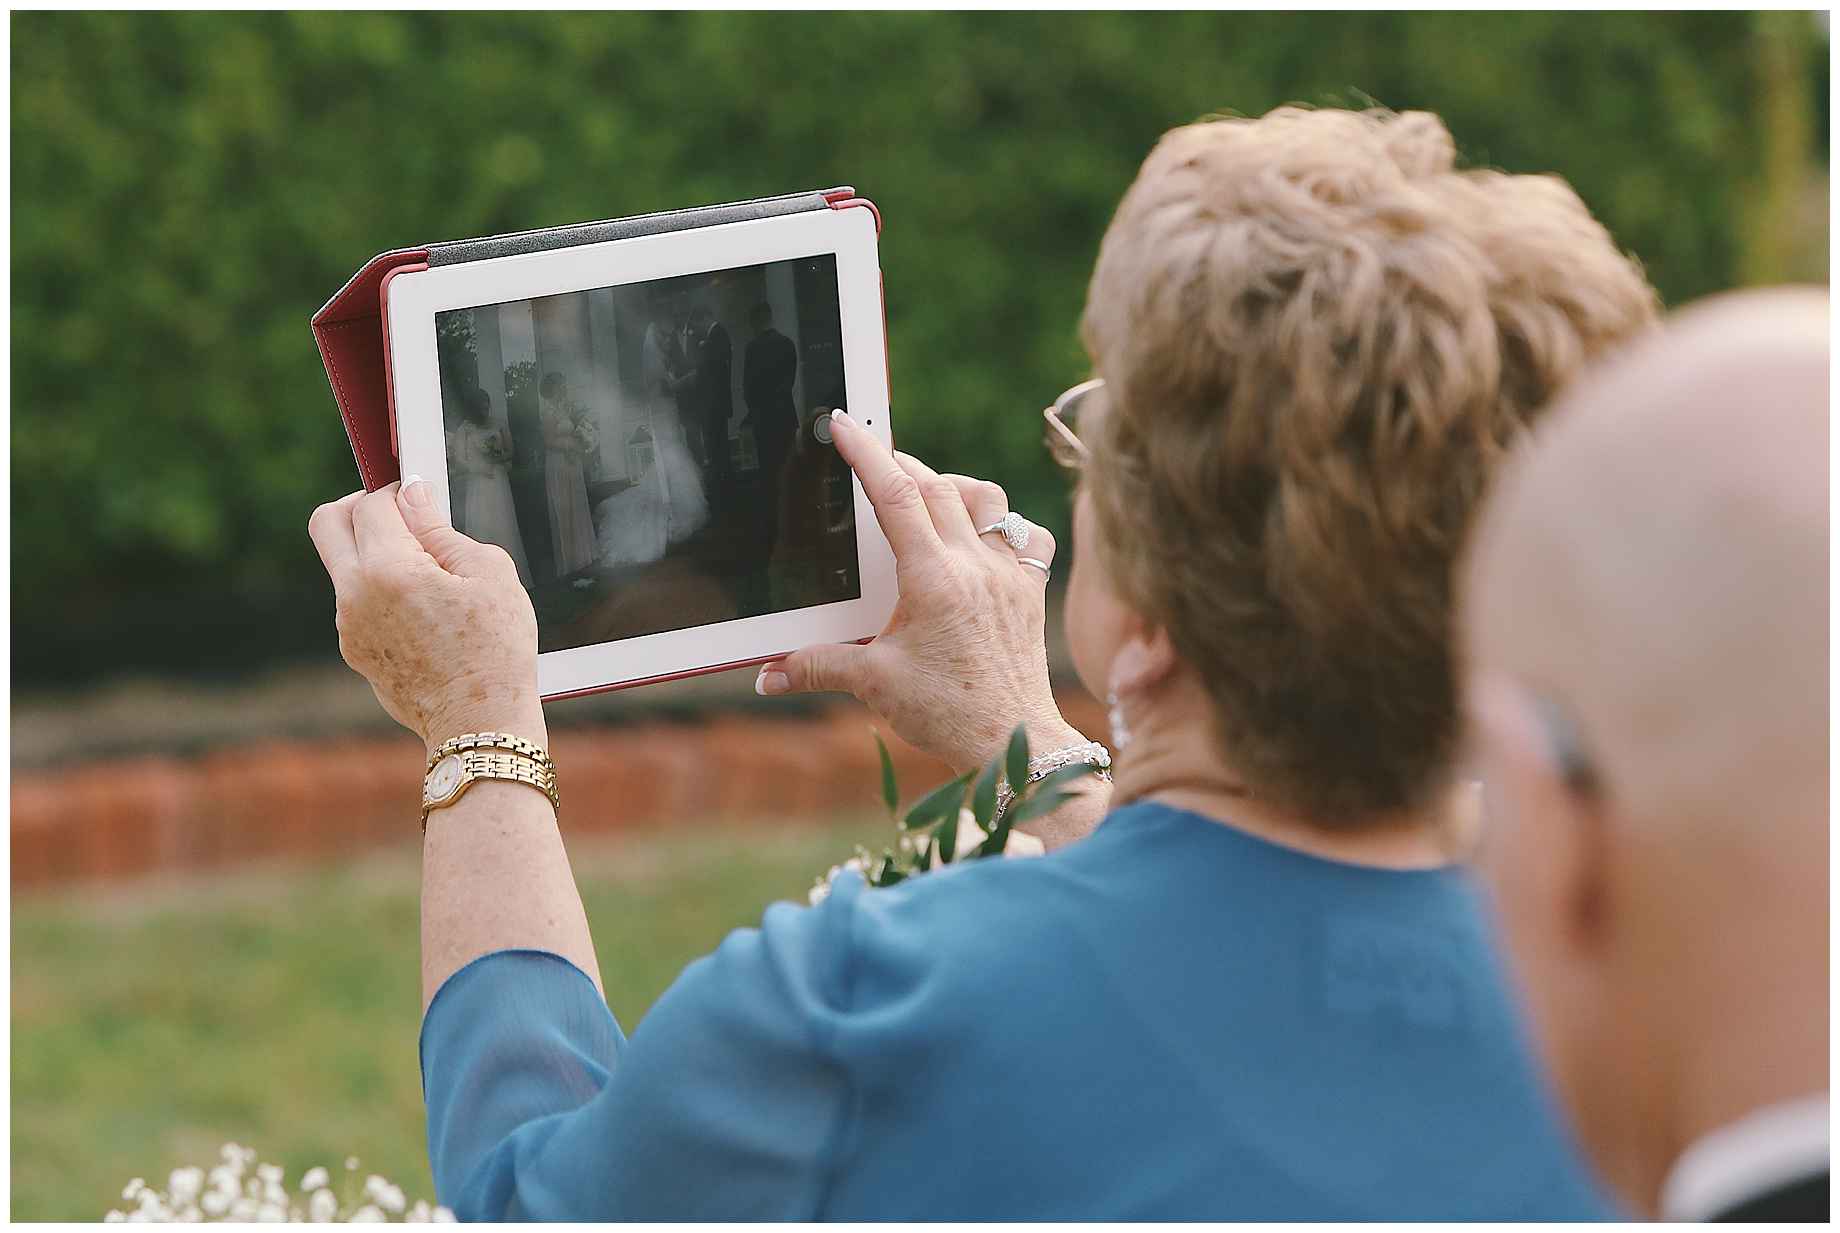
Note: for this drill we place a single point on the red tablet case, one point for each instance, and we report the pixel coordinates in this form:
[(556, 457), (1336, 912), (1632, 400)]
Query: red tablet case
[(352, 331), (353, 336)]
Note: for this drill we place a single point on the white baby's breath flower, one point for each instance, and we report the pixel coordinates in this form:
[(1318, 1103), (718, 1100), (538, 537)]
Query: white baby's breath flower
[(234, 1196), (970, 834), (444, 1215), (323, 1206), (185, 1184), (1020, 844), (385, 1195), (819, 892)]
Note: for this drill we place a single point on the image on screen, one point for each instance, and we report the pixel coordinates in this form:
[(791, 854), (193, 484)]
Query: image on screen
[(655, 456)]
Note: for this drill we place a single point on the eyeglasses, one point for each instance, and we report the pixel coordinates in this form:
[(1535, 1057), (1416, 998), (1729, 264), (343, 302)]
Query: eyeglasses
[(1568, 751), (1064, 443)]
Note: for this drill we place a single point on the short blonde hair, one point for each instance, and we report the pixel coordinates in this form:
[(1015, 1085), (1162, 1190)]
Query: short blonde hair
[(1318, 338)]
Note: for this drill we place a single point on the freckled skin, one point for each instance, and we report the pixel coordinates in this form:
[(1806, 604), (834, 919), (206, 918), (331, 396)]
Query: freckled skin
[(968, 607), (438, 646), (440, 627)]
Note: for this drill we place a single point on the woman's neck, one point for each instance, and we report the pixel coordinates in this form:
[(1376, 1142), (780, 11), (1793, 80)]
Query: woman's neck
[(1174, 761)]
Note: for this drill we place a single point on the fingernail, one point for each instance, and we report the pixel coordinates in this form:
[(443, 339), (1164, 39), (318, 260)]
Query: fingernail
[(842, 417), (771, 682), (417, 492)]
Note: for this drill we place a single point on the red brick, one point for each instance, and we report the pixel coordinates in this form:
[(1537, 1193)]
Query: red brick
[(325, 798), (38, 831)]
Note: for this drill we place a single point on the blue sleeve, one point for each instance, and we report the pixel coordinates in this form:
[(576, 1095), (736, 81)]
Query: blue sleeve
[(727, 1101)]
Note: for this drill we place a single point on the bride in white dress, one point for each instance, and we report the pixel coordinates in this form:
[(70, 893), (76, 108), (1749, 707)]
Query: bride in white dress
[(478, 453), (666, 504)]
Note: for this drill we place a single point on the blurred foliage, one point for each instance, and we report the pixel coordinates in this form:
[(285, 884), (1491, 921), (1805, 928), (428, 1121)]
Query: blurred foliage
[(189, 188)]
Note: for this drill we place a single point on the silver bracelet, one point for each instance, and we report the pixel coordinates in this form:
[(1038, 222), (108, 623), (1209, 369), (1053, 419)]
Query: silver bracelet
[(1091, 753)]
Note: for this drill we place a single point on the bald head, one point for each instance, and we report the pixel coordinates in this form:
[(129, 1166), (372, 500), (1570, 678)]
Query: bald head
[(1644, 617), (1656, 562)]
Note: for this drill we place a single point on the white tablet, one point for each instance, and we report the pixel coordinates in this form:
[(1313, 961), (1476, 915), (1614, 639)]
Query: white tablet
[(642, 423)]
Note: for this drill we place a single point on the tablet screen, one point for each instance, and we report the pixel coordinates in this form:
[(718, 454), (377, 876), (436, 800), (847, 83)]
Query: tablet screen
[(656, 456)]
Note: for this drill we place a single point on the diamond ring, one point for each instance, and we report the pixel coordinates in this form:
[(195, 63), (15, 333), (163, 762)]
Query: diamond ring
[(1015, 529)]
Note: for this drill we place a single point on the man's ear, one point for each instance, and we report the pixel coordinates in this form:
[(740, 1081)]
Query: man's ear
[(1550, 840), (1145, 660)]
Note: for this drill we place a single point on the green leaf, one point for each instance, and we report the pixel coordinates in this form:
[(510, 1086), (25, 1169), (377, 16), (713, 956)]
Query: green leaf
[(1055, 780), (891, 795), (1017, 768), (889, 877), (999, 834), (947, 836), (1037, 805), (940, 803), (998, 839), (984, 796), (993, 843)]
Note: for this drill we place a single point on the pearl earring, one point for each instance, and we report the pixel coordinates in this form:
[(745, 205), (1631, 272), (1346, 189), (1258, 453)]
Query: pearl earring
[(1114, 714)]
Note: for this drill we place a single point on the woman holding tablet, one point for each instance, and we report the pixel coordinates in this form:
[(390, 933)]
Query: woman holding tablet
[(1257, 989)]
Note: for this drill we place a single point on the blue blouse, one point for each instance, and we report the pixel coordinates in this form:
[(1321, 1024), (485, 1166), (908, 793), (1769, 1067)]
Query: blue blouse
[(1169, 1020)]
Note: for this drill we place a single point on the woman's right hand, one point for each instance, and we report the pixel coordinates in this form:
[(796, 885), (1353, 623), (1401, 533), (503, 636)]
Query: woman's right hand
[(437, 623), (964, 657)]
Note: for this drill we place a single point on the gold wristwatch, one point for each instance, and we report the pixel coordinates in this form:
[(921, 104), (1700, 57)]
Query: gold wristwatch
[(460, 763)]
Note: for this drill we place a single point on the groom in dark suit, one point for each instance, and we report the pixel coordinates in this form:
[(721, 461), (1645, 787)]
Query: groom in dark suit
[(714, 399), (768, 369)]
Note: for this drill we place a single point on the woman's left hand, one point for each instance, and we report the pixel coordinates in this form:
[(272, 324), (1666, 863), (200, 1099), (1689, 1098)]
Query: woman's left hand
[(437, 623), (964, 657)]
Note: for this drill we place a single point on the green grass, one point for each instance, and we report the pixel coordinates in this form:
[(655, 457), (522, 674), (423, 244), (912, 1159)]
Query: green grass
[(279, 1009)]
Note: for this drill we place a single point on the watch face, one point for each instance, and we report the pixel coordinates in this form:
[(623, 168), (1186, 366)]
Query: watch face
[(444, 778)]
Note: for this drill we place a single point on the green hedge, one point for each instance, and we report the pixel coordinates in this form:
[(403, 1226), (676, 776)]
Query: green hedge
[(189, 188)]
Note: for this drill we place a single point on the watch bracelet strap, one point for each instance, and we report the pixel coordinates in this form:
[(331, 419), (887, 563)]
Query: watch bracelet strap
[(1091, 753), (493, 740), (494, 764)]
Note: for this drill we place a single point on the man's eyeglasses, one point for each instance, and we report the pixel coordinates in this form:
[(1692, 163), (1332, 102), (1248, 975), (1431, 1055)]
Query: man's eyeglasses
[(1566, 748), (1064, 443)]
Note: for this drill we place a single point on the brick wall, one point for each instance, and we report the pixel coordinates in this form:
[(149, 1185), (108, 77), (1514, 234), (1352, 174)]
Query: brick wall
[(120, 819)]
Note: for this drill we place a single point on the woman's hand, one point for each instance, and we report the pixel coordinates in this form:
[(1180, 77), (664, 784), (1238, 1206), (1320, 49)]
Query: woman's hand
[(436, 622), (964, 657)]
